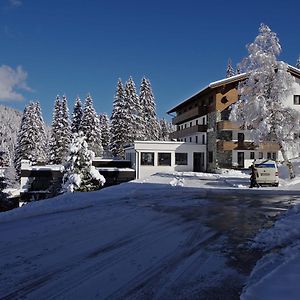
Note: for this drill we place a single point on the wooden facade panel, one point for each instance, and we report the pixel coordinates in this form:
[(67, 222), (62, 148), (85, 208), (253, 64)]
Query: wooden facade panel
[(234, 145), (225, 96)]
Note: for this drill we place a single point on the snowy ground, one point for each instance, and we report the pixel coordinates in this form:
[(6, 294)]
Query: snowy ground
[(170, 236)]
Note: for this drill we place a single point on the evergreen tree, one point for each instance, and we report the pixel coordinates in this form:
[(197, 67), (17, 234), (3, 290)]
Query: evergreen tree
[(229, 70), (118, 123), (10, 122), (76, 116), (133, 113), (60, 131), (105, 131), (41, 136), (90, 126), (31, 137), (298, 63), (79, 174), (166, 128), (149, 118), (66, 124), (261, 107)]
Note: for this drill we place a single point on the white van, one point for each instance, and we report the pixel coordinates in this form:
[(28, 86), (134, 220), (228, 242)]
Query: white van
[(266, 172)]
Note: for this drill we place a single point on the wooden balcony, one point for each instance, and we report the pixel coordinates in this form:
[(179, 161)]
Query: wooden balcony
[(188, 131), (227, 125), (190, 114), (234, 145)]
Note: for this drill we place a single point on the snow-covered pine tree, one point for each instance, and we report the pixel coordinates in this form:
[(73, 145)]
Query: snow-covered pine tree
[(166, 128), (118, 123), (298, 63), (66, 123), (31, 137), (105, 132), (133, 113), (149, 117), (90, 126), (79, 174), (60, 131), (76, 116), (10, 122), (229, 70), (41, 136), (261, 107)]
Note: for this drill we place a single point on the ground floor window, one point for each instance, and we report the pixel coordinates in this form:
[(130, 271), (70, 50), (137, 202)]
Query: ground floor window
[(164, 159), (181, 158), (260, 155), (252, 155), (269, 155), (147, 159), (274, 156)]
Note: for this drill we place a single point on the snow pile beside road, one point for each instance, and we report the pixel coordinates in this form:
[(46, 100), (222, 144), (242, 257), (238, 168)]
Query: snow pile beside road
[(277, 274)]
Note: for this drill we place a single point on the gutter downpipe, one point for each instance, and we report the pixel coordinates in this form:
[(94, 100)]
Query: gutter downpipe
[(137, 163)]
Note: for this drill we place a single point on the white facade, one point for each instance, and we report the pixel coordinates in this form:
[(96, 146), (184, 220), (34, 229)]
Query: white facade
[(150, 157)]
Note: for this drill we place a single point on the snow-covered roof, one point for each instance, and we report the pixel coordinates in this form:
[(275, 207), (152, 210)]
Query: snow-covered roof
[(211, 85), (223, 81), (43, 168)]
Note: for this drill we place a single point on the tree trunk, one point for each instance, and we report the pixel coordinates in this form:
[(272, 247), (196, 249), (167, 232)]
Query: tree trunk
[(287, 162)]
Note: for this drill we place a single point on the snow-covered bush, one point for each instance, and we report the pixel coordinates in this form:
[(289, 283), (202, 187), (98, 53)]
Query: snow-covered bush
[(80, 175)]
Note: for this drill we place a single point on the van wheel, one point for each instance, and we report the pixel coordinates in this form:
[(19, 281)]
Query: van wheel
[(276, 184)]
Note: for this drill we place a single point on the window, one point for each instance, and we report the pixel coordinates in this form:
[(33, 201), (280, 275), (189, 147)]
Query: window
[(196, 139), (203, 139), (184, 125), (147, 158), (274, 156), (196, 122), (190, 139), (203, 121), (260, 155), (181, 158), (297, 99), (185, 139), (210, 156), (269, 155), (191, 124), (164, 159), (241, 137), (252, 155)]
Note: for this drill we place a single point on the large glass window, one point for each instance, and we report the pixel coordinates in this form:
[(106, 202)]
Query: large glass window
[(147, 159), (164, 159), (181, 158)]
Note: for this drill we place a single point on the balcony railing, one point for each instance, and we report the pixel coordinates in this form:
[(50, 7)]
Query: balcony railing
[(227, 125), (235, 145), (188, 131), (190, 114)]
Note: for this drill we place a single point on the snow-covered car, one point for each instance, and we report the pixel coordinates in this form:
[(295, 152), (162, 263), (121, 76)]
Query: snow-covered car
[(266, 172)]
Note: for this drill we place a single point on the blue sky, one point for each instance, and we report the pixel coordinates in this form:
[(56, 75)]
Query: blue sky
[(75, 47)]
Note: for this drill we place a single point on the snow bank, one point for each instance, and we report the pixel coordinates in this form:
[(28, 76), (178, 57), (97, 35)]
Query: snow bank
[(277, 274)]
